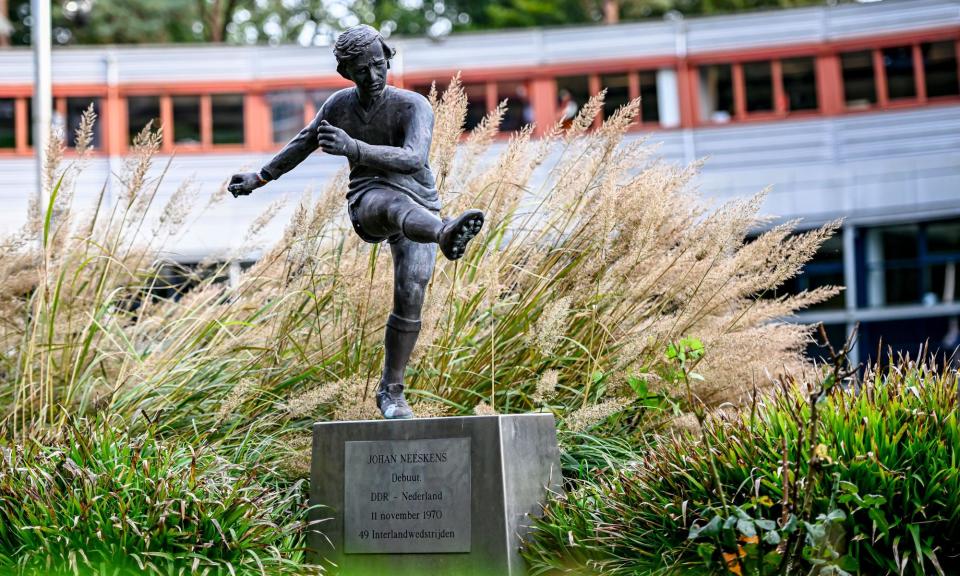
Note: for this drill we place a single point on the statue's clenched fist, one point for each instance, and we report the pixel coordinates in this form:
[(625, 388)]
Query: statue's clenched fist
[(244, 183), (335, 141)]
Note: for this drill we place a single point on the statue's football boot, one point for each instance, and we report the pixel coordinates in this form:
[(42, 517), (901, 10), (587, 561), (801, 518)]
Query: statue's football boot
[(391, 402), (457, 232)]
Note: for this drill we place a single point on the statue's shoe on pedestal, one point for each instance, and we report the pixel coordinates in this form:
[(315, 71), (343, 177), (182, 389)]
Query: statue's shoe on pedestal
[(456, 233), (391, 402)]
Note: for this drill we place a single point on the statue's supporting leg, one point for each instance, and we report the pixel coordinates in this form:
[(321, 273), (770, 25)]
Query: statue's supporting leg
[(413, 264)]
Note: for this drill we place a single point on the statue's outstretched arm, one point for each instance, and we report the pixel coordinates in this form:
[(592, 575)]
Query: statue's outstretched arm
[(295, 152)]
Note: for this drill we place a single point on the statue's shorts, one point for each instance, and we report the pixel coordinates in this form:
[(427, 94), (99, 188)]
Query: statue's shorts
[(378, 213)]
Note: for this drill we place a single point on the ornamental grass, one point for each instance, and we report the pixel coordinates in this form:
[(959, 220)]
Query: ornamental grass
[(870, 485), (596, 254)]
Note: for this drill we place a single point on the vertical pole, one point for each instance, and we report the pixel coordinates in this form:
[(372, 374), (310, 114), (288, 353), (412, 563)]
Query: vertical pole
[(850, 284), (42, 91), (6, 28), (114, 122)]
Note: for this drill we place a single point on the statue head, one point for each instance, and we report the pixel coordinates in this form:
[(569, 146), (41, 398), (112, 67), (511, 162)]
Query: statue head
[(364, 58)]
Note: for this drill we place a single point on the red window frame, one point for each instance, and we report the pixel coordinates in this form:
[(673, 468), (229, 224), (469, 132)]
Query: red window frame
[(880, 75), (740, 113)]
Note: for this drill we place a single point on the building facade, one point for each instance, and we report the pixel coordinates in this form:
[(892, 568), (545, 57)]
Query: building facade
[(848, 111)]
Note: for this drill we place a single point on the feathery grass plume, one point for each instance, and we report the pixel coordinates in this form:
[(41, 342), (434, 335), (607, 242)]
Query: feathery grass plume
[(307, 403), (85, 130), (593, 223), (449, 116), (550, 327), (546, 387), (240, 393), (146, 144), (431, 409), (588, 416), (586, 116), (297, 455), (355, 400), (52, 159), (176, 210), (484, 409)]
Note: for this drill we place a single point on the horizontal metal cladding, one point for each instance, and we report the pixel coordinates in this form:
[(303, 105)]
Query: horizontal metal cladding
[(930, 131), (820, 24), (493, 50), (848, 21)]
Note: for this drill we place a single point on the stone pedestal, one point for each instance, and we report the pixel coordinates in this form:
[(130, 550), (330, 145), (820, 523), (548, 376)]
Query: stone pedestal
[(430, 496)]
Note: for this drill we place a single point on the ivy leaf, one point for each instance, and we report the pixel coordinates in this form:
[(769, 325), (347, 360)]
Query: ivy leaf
[(848, 487), (747, 528), (836, 515), (711, 528), (765, 524)]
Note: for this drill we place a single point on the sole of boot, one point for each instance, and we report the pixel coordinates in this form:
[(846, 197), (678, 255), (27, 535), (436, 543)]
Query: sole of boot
[(458, 232)]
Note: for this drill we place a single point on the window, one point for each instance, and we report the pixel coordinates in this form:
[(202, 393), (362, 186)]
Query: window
[(758, 84), (186, 119), (799, 84), (858, 83), (476, 101), (286, 113), (519, 113), (8, 132), (716, 93), (75, 109), (943, 251), (618, 92), (913, 264), (937, 335), (318, 97), (898, 67), (892, 265), (476, 104), (649, 100), (940, 68), (227, 111), (572, 93), (140, 111)]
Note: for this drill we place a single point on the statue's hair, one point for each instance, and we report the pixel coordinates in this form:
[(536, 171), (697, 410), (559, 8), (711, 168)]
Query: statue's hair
[(353, 41)]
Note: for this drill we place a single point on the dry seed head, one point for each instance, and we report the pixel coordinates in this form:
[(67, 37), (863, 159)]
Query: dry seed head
[(307, 403), (484, 409), (355, 401), (586, 116), (551, 326), (546, 387), (84, 137), (589, 416), (241, 392)]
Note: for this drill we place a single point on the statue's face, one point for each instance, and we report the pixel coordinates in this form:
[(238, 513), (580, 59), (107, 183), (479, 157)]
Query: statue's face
[(369, 70)]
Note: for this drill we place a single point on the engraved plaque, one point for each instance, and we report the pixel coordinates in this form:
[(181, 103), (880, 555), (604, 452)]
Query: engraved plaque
[(407, 496)]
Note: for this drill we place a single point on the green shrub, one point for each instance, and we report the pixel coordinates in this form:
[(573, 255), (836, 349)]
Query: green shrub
[(98, 500), (882, 490)]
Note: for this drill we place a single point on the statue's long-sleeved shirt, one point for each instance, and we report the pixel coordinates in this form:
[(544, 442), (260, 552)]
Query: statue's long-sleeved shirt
[(393, 143)]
